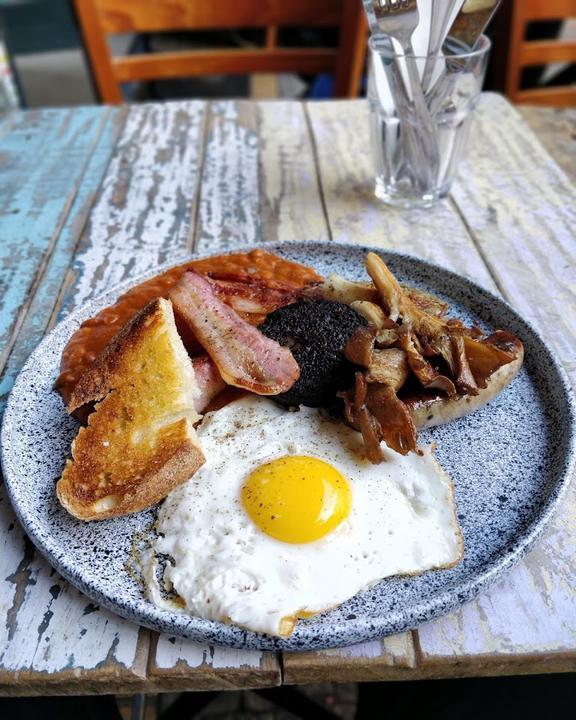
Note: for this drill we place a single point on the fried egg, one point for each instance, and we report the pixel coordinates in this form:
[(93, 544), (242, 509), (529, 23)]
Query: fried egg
[(288, 518)]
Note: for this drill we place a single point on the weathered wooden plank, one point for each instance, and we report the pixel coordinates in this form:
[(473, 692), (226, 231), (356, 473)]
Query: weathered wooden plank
[(35, 198), (290, 202), (556, 130), (146, 207), (41, 303), (178, 665), (521, 210), (229, 206), (52, 639), (259, 180), (387, 659)]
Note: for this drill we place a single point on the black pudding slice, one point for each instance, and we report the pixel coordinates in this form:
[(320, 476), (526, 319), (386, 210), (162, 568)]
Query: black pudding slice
[(316, 333)]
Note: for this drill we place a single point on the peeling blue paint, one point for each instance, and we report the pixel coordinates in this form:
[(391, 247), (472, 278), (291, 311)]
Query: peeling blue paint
[(92, 153)]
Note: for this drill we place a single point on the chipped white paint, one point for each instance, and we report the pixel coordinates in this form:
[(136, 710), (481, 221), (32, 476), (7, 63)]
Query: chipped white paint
[(223, 658), (13, 563), (291, 207), (49, 626), (170, 651), (364, 651), (400, 648), (393, 650), (556, 130), (144, 213), (529, 612), (229, 203)]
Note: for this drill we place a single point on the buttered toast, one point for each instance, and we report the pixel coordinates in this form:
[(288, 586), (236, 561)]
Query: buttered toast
[(140, 441)]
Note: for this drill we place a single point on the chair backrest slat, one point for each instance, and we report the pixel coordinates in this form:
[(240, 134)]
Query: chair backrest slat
[(547, 9), (99, 18), (204, 62), (525, 53), (556, 96), (540, 52), (158, 15)]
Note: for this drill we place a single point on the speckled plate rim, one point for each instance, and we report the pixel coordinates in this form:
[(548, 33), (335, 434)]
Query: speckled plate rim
[(344, 632)]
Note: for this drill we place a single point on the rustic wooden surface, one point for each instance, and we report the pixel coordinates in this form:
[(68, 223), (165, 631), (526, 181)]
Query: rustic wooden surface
[(92, 196), (556, 130)]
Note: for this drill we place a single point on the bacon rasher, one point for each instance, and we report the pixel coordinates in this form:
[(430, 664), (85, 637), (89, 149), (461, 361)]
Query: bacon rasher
[(244, 356)]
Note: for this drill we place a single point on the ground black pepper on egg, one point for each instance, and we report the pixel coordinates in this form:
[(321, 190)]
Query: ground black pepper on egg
[(316, 333)]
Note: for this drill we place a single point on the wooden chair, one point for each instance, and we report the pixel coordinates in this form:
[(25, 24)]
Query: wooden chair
[(524, 53), (99, 18)]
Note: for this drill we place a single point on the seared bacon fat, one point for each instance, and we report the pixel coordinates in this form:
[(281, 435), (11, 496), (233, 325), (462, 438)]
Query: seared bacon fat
[(244, 356), (208, 380), (253, 296)]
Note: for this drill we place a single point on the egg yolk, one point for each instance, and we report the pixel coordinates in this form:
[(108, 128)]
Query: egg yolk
[(296, 499)]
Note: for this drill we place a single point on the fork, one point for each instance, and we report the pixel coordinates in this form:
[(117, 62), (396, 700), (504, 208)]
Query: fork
[(399, 19)]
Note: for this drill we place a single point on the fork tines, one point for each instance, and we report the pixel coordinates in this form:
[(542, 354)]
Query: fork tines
[(391, 5)]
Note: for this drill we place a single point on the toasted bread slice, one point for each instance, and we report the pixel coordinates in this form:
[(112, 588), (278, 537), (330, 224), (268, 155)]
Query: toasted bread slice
[(140, 441)]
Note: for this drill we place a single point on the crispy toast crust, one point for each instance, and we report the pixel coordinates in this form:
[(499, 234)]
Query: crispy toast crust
[(140, 441)]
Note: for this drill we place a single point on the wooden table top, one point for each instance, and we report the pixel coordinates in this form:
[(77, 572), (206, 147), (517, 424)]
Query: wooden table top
[(92, 196)]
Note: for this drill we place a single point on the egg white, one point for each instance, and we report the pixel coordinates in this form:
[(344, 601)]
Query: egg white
[(402, 521)]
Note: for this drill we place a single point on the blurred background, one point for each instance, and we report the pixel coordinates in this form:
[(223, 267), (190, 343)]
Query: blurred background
[(44, 59)]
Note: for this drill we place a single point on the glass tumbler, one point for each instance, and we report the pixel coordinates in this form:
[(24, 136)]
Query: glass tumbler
[(417, 144)]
